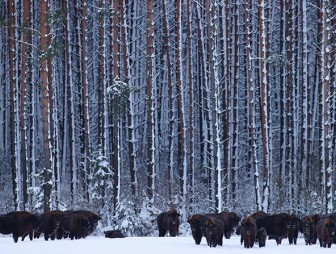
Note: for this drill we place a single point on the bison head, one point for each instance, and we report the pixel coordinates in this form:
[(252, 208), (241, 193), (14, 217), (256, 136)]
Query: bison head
[(174, 222)]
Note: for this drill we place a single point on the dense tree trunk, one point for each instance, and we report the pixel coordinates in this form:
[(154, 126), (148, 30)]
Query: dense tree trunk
[(12, 81), (46, 107), (149, 102)]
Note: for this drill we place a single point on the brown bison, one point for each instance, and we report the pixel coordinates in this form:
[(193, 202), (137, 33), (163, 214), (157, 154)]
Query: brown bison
[(261, 237), (295, 227), (248, 231), (77, 224), (19, 223), (277, 225), (230, 221), (325, 230), (49, 224), (113, 234), (168, 221), (197, 227), (309, 228), (214, 231)]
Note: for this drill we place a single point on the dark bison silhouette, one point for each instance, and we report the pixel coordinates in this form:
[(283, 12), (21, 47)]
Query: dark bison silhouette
[(197, 227), (168, 221), (248, 232), (309, 228), (261, 237), (113, 234), (19, 223), (295, 228), (214, 231), (277, 225), (77, 224), (49, 224), (325, 230)]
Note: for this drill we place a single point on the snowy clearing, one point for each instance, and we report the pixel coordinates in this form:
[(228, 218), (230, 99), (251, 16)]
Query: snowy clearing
[(149, 245)]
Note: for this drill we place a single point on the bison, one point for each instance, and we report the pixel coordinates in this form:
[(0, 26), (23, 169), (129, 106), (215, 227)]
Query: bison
[(277, 225), (325, 230), (168, 221), (197, 226), (19, 223), (309, 228), (113, 234), (214, 231), (230, 221), (295, 227), (49, 224), (248, 231), (261, 237), (77, 224)]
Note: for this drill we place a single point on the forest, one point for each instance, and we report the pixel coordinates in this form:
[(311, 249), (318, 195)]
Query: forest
[(128, 108)]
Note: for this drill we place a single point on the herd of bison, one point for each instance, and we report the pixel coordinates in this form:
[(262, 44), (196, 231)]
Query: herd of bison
[(253, 229)]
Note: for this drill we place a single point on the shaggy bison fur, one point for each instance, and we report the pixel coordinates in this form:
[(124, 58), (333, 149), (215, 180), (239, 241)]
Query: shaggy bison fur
[(168, 221), (77, 224), (229, 219), (295, 228), (248, 232), (325, 230), (261, 237), (49, 224), (277, 225), (214, 231), (19, 223), (197, 227)]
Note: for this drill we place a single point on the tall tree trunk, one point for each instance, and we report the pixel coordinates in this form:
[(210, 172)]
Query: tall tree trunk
[(180, 101), (85, 100), (170, 168), (149, 101), (46, 108), (12, 81), (264, 103), (114, 112), (325, 103), (23, 113), (253, 159)]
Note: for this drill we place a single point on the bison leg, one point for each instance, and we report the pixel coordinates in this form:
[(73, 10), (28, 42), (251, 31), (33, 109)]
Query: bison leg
[(162, 232), (15, 237)]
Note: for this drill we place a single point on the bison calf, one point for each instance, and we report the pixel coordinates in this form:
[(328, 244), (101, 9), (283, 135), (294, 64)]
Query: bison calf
[(113, 234)]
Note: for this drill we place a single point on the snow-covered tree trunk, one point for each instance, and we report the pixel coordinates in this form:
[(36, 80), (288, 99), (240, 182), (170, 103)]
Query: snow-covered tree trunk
[(253, 159), (23, 104), (85, 100), (114, 115), (306, 111), (12, 81), (46, 107), (181, 107), (150, 57), (170, 166), (191, 167), (71, 131), (264, 102), (326, 135)]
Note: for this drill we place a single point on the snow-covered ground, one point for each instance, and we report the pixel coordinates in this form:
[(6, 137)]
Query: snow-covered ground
[(149, 245)]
